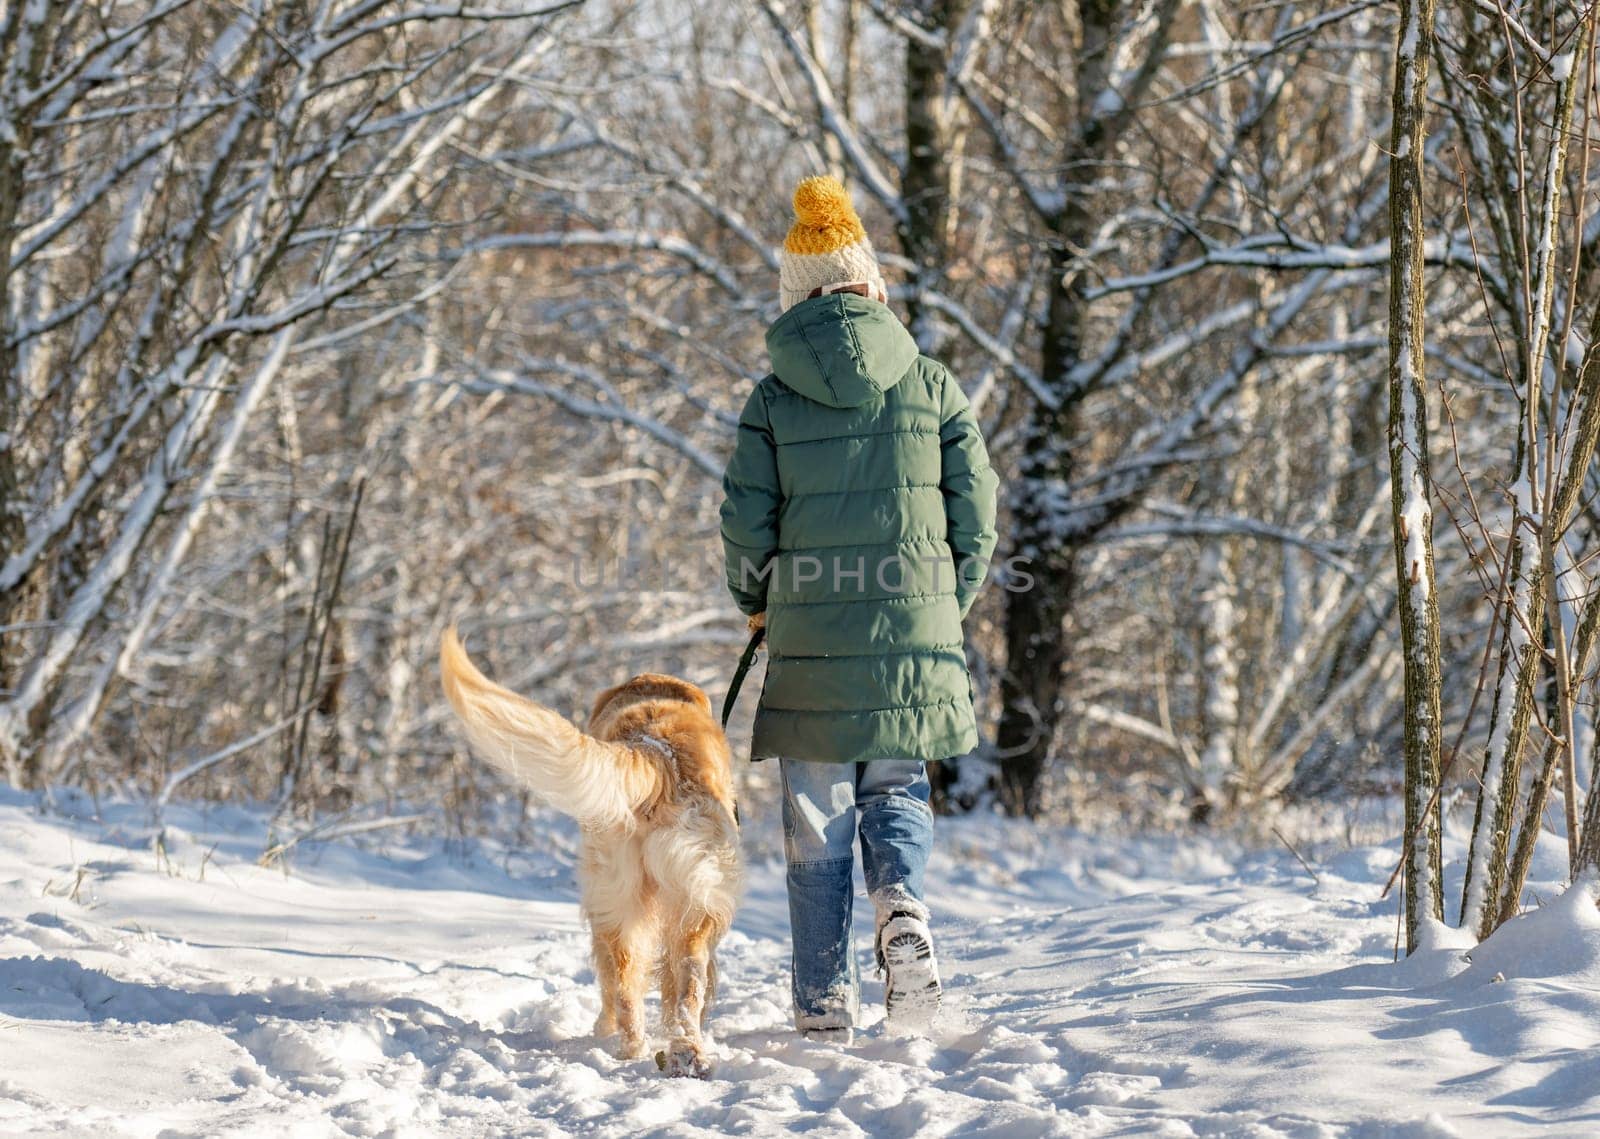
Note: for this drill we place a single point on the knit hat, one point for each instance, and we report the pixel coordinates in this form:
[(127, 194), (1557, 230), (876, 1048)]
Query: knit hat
[(827, 245)]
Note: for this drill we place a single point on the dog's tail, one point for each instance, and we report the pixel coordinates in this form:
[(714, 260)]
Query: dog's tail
[(596, 782)]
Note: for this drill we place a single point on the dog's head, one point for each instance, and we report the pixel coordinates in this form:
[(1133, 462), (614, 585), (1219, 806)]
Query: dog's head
[(677, 715), (647, 686)]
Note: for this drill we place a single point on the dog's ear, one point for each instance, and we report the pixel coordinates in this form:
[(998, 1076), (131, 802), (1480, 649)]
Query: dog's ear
[(602, 700), (676, 688), (697, 695), (655, 686)]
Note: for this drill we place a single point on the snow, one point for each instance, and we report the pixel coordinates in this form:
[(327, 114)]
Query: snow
[(1576, 347), (1410, 36), (1418, 516), (1109, 102), (1097, 985)]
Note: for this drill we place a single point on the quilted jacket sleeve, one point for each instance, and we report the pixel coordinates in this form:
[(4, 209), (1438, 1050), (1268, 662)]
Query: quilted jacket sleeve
[(969, 485), (750, 503)]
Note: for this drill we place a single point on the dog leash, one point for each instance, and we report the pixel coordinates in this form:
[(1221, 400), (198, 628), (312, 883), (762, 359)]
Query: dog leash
[(745, 661)]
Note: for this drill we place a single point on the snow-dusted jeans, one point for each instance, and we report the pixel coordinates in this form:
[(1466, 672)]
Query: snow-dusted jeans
[(825, 805)]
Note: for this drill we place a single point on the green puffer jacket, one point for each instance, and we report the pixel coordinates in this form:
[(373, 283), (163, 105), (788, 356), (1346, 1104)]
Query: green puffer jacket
[(858, 486)]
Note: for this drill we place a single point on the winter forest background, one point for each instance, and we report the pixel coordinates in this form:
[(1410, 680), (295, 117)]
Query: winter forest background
[(329, 323)]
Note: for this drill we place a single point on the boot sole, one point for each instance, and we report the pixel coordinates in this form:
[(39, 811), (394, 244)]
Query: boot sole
[(913, 992)]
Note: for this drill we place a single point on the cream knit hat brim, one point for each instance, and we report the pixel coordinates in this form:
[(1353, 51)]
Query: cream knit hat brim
[(799, 273), (827, 245)]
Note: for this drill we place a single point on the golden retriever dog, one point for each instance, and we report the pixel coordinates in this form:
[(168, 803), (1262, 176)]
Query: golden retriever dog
[(651, 783)]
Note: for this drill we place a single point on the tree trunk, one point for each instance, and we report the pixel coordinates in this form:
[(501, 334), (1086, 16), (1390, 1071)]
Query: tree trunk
[(1030, 688), (1408, 469), (1583, 453), (1219, 775), (932, 131), (1036, 636)]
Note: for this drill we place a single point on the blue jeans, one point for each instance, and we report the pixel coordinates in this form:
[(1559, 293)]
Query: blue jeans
[(825, 805)]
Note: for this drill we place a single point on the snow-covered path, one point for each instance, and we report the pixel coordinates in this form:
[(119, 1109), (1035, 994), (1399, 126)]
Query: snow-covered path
[(1096, 987)]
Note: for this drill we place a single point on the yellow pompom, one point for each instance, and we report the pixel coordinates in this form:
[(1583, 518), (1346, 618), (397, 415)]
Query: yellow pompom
[(824, 218), (823, 202)]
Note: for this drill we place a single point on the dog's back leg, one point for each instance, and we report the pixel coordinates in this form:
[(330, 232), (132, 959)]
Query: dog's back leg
[(605, 972), (627, 959), (689, 947), (667, 976), (711, 989)]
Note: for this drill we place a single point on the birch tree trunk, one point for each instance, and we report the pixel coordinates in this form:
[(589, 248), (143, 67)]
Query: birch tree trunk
[(1412, 488), (1219, 705)]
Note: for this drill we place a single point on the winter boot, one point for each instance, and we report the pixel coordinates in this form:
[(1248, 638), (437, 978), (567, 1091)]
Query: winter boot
[(905, 957)]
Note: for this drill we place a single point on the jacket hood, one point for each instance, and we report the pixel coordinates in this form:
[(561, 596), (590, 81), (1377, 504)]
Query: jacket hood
[(841, 350)]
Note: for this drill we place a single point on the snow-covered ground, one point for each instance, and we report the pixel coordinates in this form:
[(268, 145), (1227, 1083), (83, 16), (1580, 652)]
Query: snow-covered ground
[(1097, 986)]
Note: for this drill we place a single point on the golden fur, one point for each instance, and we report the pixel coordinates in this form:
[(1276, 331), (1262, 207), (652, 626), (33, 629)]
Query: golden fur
[(651, 782)]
